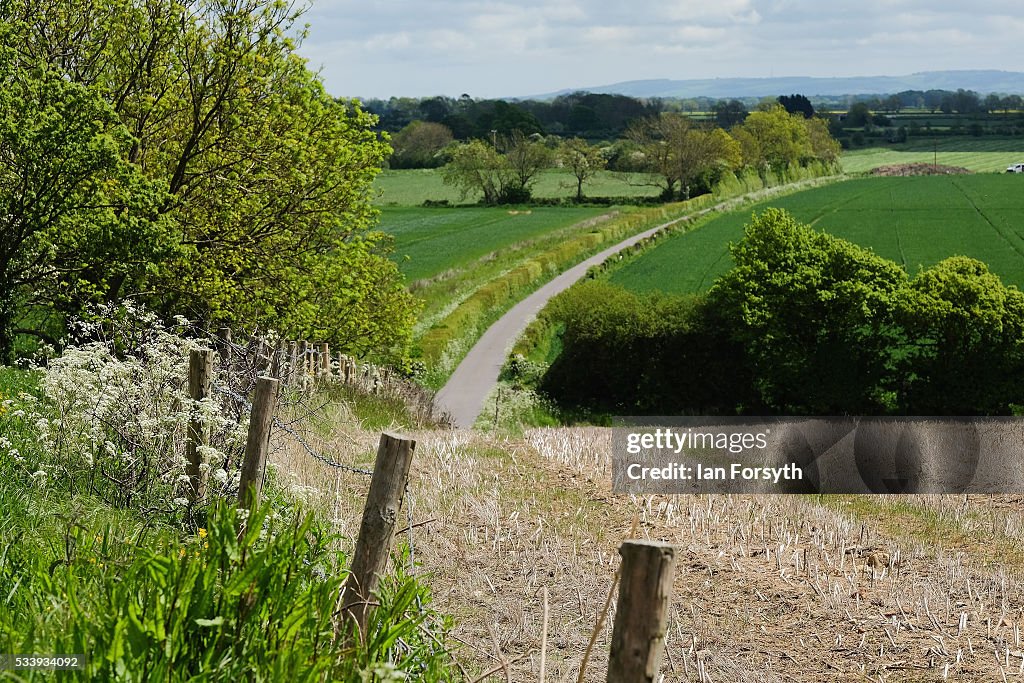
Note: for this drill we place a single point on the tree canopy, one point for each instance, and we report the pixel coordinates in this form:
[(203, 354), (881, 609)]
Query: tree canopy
[(267, 179)]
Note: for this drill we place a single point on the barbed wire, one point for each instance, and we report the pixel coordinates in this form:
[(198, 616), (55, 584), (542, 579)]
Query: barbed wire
[(293, 433)]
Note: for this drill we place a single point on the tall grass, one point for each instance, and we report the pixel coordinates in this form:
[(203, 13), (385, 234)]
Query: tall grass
[(146, 592)]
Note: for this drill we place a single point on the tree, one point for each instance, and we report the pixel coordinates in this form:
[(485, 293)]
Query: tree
[(823, 146), (525, 158), (729, 113), (815, 314), (797, 104), (78, 220), (777, 138), (583, 160), (501, 178), (859, 115), (965, 341), (684, 155), (420, 145), (476, 166), (268, 176)]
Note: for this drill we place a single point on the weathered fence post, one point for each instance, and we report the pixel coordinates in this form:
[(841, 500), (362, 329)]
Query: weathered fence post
[(260, 420), (200, 381), (275, 360), (324, 362), (341, 366), (641, 613), (293, 359), (224, 344), (387, 488)]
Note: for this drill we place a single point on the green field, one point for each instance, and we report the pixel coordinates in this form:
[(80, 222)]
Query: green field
[(429, 241), (915, 221), (976, 154), (415, 186)]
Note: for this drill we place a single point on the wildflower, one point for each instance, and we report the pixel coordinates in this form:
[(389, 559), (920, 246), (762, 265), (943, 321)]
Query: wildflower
[(202, 533)]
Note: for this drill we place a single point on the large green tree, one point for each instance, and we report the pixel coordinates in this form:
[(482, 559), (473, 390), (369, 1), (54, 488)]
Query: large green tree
[(815, 314), (964, 341), (684, 155), (76, 220), (269, 177)]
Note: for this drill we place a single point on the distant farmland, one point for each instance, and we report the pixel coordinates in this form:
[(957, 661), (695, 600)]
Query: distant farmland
[(431, 241), (412, 187), (915, 221), (976, 154)]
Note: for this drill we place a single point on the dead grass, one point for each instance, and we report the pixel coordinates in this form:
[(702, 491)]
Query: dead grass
[(769, 588)]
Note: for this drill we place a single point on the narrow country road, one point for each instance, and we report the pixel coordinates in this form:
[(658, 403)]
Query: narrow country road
[(464, 395)]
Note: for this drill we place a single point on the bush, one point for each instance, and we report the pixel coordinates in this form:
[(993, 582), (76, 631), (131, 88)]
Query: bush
[(111, 417)]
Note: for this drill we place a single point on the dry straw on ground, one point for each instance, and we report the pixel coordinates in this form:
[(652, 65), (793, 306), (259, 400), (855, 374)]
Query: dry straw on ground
[(770, 588)]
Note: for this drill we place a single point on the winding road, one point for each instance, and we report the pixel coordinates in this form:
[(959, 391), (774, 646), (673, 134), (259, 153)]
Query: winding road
[(464, 395)]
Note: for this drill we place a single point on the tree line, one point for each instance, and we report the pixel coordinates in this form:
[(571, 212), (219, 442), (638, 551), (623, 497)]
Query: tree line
[(804, 324), (182, 155), (681, 157)]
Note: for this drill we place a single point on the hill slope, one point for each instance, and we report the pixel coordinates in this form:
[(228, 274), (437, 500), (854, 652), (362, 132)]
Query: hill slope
[(985, 81)]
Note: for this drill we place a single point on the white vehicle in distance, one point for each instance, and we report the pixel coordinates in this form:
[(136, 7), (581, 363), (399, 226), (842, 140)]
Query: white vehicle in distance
[(1016, 168)]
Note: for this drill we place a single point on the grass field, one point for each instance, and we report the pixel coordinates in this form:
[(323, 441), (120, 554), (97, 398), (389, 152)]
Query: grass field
[(976, 154), (415, 186), (429, 241), (914, 221)]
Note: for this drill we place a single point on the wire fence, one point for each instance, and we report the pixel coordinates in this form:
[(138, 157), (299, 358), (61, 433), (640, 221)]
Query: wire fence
[(307, 372)]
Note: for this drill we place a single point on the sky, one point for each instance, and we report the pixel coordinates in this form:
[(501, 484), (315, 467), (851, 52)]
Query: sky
[(384, 48)]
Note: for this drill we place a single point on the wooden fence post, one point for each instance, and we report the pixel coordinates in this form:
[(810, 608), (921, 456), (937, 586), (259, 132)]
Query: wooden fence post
[(641, 614), (341, 366), (387, 489), (260, 420), (293, 359), (200, 381), (224, 342), (324, 362)]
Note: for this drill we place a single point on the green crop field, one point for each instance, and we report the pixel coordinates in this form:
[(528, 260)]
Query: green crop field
[(414, 186), (429, 241), (976, 154), (916, 221)]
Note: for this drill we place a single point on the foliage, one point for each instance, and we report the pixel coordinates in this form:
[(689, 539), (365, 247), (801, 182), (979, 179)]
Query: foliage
[(797, 104), (525, 158), (502, 178), (112, 417), (684, 155), (248, 596), (476, 167), (965, 333), (729, 113), (80, 223), (269, 177), (804, 324), (814, 314), (421, 144), (773, 138), (624, 353)]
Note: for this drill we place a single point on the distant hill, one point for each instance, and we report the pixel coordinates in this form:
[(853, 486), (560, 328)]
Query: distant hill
[(1009, 82)]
